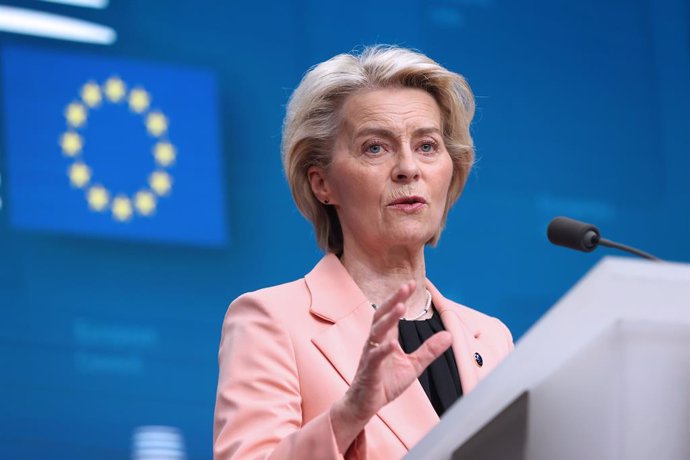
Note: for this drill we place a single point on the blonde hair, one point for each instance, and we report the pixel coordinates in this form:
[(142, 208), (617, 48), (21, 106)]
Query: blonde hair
[(312, 121)]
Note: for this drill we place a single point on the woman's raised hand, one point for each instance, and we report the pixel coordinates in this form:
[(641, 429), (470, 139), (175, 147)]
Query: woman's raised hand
[(385, 371)]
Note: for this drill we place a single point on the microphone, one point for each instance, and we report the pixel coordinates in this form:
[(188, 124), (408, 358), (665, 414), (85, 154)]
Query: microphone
[(573, 234)]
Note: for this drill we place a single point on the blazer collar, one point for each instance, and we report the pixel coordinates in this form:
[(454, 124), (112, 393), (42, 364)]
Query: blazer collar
[(464, 338), (334, 294)]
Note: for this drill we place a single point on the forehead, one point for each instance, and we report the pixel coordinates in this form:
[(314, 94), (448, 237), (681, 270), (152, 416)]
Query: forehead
[(391, 107)]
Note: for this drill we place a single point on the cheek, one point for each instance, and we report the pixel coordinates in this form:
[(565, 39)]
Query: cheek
[(358, 189), (444, 178)]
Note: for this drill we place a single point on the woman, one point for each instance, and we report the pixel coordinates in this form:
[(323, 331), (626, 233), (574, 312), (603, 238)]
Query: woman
[(376, 148)]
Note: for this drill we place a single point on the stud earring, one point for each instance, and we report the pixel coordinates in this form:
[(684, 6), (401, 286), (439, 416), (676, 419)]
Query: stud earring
[(326, 201)]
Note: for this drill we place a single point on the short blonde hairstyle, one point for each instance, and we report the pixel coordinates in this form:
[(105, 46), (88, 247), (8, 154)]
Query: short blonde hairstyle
[(312, 121)]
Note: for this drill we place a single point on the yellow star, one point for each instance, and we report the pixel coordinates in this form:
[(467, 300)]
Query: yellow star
[(79, 174), (75, 114), (91, 94), (139, 100), (164, 152), (156, 123), (160, 182), (71, 143), (115, 89), (122, 208), (98, 198), (145, 202)]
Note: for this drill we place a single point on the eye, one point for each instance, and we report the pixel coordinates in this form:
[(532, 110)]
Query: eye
[(374, 148), (428, 147)]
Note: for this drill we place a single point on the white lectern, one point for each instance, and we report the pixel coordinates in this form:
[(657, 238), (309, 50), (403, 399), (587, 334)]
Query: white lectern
[(605, 374)]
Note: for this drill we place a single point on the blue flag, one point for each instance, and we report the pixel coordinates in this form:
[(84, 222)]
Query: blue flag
[(112, 147)]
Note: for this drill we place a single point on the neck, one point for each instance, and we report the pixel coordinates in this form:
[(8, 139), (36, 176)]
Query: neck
[(381, 273)]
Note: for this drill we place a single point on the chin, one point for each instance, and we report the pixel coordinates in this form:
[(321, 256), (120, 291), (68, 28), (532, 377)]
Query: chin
[(410, 237)]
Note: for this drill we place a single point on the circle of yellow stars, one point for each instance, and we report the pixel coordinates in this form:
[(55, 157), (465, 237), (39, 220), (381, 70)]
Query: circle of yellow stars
[(99, 198)]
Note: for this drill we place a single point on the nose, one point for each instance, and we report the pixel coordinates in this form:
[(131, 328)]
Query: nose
[(406, 168)]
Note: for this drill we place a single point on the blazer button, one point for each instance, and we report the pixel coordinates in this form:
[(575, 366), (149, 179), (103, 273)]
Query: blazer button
[(478, 359)]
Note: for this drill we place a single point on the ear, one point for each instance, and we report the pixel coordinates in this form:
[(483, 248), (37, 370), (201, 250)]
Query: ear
[(319, 184)]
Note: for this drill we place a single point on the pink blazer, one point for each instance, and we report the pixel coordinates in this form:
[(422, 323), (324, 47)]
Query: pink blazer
[(288, 352)]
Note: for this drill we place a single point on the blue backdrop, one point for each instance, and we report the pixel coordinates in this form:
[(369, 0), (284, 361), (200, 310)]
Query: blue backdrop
[(582, 111)]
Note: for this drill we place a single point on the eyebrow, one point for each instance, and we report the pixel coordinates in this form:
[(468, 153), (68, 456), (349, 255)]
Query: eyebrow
[(390, 134)]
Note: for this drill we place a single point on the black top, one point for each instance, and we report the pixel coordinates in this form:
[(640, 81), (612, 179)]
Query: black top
[(441, 381)]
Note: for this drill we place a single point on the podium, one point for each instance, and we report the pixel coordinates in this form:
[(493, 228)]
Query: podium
[(605, 374)]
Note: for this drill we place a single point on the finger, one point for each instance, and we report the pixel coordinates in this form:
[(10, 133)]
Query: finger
[(401, 295), (432, 348), (378, 354), (383, 326)]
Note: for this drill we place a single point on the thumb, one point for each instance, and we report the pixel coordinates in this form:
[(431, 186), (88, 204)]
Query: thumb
[(432, 348)]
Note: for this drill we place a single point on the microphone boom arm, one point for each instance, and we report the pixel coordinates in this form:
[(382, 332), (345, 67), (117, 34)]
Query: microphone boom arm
[(623, 247)]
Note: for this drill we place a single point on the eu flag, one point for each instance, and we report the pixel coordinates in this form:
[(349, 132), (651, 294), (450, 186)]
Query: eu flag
[(112, 147)]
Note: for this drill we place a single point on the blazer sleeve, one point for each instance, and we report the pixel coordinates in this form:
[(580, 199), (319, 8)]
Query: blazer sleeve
[(258, 404)]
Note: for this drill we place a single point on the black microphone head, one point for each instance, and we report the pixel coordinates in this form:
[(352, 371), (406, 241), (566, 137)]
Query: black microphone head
[(573, 234)]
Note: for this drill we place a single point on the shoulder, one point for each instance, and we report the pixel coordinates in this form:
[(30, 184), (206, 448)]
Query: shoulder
[(482, 326), (273, 302), (472, 316), (482, 318), (265, 319)]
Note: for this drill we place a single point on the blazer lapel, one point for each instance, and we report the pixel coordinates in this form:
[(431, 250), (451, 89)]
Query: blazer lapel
[(337, 298), (410, 416), (463, 337)]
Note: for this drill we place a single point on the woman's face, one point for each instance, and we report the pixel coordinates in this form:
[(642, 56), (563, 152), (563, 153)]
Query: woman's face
[(390, 170)]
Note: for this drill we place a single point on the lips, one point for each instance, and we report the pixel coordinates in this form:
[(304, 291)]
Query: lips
[(408, 203), (408, 200)]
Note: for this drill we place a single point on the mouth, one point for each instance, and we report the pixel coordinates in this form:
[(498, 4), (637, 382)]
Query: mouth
[(408, 203)]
